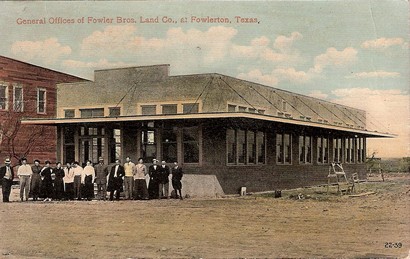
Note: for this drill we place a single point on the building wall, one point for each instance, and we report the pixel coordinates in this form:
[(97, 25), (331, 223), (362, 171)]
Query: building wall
[(31, 77)]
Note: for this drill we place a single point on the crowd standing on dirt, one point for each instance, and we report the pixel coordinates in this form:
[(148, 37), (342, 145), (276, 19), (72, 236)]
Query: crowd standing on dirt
[(74, 182)]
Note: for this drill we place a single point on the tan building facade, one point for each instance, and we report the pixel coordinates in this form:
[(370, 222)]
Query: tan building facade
[(243, 133)]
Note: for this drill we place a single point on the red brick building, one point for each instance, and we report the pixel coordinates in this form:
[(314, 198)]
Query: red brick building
[(28, 90)]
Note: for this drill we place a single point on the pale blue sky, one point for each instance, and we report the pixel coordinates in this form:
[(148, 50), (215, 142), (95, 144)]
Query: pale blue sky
[(350, 52)]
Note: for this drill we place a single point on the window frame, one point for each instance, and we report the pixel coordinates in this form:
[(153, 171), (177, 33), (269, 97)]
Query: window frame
[(303, 150), (235, 143), (14, 98), (283, 148), (6, 97), (44, 101)]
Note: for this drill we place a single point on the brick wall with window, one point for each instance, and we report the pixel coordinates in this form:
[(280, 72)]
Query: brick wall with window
[(31, 91)]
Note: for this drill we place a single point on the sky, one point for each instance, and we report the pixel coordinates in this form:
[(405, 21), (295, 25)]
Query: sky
[(354, 53)]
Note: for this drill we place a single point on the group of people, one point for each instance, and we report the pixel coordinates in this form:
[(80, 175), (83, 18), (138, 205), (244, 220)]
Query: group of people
[(75, 182)]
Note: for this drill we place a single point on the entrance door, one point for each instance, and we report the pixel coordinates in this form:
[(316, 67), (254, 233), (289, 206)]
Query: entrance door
[(91, 149)]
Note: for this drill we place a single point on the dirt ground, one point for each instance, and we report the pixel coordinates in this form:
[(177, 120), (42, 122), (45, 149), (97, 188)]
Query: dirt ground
[(317, 225)]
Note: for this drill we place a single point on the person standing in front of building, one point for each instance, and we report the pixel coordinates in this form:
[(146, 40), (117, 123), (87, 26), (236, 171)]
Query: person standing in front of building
[(59, 182), (153, 185), (78, 171), (115, 180), (69, 181), (6, 177), (46, 190), (87, 181), (129, 178), (163, 181), (35, 180), (140, 185), (101, 172), (176, 180), (24, 173)]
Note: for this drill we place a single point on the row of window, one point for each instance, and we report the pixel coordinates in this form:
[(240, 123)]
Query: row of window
[(18, 99), (240, 108), (92, 142), (345, 150), (145, 110), (247, 147)]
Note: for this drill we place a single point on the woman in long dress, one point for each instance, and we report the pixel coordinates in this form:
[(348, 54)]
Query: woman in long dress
[(35, 180), (58, 182), (87, 181), (46, 182)]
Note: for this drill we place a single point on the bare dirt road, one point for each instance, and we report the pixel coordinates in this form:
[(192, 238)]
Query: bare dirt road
[(252, 226)]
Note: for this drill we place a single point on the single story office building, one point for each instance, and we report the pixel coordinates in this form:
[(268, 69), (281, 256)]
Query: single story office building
[(242, 133)]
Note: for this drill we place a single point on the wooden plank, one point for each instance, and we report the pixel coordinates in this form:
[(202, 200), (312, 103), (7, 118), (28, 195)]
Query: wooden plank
[(362, 194)]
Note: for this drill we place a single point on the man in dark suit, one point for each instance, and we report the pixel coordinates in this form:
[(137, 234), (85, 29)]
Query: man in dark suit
[(6, 176), (153, 185), (176, 180), (115, 180), (163, 181)]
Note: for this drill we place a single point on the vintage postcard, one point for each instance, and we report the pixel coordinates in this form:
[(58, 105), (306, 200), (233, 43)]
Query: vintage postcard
[(204, 129)]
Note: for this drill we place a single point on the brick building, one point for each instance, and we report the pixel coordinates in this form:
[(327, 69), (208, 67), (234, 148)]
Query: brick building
[(240, 133), (27, 90)]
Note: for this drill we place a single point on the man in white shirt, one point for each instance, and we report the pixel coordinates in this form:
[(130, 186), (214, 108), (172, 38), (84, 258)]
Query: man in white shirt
[(78, 172), (24, 173)]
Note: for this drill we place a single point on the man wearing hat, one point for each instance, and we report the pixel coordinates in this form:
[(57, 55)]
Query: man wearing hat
[(101, 172), (24, 173), (6, 176), (163, 181)]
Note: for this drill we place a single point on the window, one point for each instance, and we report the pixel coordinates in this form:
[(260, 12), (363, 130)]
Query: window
[(148, 144), (3, 97), (284, 106), (190, 108), (305, 149), (241, 140), (148, 109), (260, 143), (169, 144), (115, 145), (349, 150), (69, 144), (115, 111), (251, 147), (337, 150), (245, 147), (283, 148), (241, 109), (69, 113), (361, 157), (41, 100), (322, 150), (190, 138), (261, 111), (92, 113), (231, 108), (18, 99), (169, 109), (251, 110), (231, 146)]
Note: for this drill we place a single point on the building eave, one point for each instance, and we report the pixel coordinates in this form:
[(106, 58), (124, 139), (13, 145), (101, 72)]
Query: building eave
[(216, 115)]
